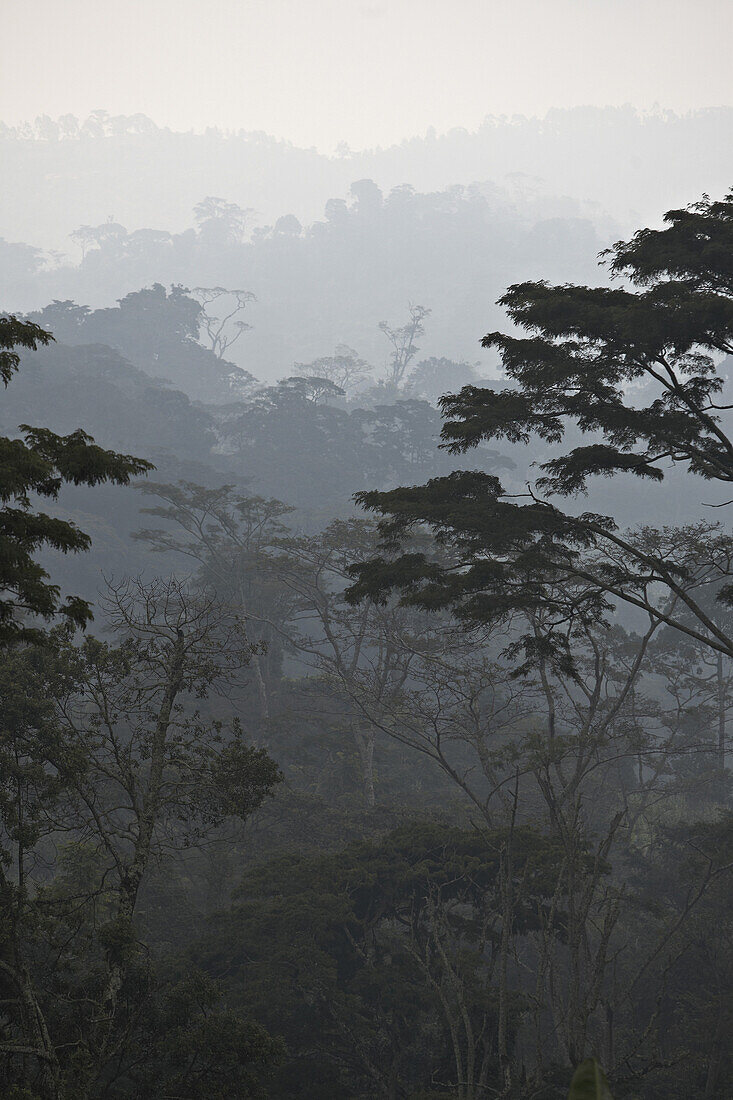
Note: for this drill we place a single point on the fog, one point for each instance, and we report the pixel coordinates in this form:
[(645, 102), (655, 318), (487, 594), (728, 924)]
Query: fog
[(366, 652)]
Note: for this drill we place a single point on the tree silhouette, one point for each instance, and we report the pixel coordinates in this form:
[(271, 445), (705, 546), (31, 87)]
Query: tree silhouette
[(222, 332)]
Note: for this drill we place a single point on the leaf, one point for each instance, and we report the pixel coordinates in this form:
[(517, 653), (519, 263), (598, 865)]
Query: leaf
[(589, 1082)]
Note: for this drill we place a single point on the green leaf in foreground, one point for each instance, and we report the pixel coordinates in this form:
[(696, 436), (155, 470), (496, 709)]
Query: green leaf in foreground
[(589, 1082)]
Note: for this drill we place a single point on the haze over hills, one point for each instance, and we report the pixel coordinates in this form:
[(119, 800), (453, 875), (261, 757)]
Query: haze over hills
[(603, 163), (446, 221), (366, 561)]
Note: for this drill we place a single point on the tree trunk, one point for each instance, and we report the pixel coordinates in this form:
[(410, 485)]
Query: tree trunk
[(714, 1057), (133, 874), (505, 873), (262, 692), (365, 745), (50, 1083), (720, 682), (39, 1045)]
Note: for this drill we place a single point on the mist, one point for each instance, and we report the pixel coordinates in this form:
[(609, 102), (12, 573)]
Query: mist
[(366, 651)]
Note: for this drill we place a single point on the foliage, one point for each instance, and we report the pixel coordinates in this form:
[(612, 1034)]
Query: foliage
[(38, 465), (105, 748), (158, 331), (634, 370), (365, 961), (500, 840), (344, 368), (192, 1047)]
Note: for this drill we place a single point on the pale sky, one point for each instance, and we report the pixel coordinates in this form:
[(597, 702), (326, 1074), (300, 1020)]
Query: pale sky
[(367, 72)]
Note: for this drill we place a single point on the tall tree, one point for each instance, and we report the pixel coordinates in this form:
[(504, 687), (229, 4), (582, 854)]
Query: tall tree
[(404, 344), (103, 748), (220, 222), (228, 535), (353, 650), (38, 465), (223, 331), (345, 368), (634, 367)]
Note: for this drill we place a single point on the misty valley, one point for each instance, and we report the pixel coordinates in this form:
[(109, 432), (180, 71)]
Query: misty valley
[(366, 643)]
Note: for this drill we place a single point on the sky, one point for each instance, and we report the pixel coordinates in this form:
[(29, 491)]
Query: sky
[(361, 72)]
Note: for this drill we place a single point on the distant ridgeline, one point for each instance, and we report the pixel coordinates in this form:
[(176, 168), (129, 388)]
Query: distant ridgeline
[(82, 170)]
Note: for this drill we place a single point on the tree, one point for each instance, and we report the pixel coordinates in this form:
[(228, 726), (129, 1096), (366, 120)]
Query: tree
[(38, 766), (432, 378), (220, 222), (700, 681), (310, 388), (157, 330), (39, 464), (403, 436), (404, 344), (594, 757), (344, 368), (287, 226), (223, 331), (379, 963), (368, 197), (109, 234), (300, 448), (85, 236), (633, 367), (353, 650), (63, 317), (228, 535), (108, 746), (21, 261)]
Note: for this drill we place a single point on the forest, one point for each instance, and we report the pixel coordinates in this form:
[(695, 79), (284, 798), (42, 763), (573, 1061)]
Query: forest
[(366, 679)]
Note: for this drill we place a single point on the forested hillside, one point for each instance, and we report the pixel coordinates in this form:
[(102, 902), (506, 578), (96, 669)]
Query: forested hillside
[(366, 649), (330, 246), (586, 160)]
